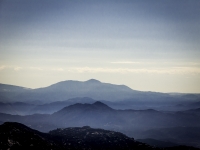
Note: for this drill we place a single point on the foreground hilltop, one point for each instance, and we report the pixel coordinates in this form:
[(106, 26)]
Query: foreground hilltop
[(16, 135)]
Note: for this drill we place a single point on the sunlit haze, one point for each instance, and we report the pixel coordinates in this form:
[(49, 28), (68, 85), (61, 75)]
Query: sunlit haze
[(148, 45)]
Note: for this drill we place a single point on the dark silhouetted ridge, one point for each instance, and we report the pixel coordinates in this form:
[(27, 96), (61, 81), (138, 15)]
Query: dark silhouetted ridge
[(101, 105), (18, 136), (98, 103), (78, 107)]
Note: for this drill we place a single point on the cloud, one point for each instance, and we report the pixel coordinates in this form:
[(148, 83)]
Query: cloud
[(184, 64), (36, 68), (173, 70), (17, 68), (192, 70), (125, 62), (58, 69), (2, 67)]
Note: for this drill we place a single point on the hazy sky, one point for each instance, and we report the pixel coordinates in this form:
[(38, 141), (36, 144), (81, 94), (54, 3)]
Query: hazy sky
[(148, 45)]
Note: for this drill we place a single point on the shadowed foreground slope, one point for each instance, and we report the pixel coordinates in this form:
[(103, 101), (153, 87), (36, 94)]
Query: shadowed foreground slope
[(18, 136)]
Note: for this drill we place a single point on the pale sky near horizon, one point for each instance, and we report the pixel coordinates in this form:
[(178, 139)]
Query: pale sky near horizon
[(148, 45)]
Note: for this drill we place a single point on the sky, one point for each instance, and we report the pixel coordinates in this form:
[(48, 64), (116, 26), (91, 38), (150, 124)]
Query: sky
[(148, 45)]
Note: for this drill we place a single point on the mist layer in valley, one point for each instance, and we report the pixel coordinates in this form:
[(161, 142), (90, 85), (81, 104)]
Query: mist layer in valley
[(151, 117)]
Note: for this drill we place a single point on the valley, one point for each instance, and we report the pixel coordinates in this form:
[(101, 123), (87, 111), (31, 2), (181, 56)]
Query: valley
[(163, 118)]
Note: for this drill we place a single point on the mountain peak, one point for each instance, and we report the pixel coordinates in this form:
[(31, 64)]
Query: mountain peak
[(93, 81), (99, 104)]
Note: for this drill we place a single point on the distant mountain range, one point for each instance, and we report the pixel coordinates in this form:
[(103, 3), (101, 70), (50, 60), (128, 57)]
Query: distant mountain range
[(65, 90), (157, 118), (116, 96), (140, 124), (21, 108)]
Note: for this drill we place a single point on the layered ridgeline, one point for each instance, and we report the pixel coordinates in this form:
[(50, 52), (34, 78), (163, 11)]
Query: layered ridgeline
[(22, 108), (156, 118), (18, 136), (65, 93), (180, 128), (67, 89)]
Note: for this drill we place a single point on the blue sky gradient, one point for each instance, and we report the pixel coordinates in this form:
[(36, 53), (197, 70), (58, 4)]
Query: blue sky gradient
[(149, 45)]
